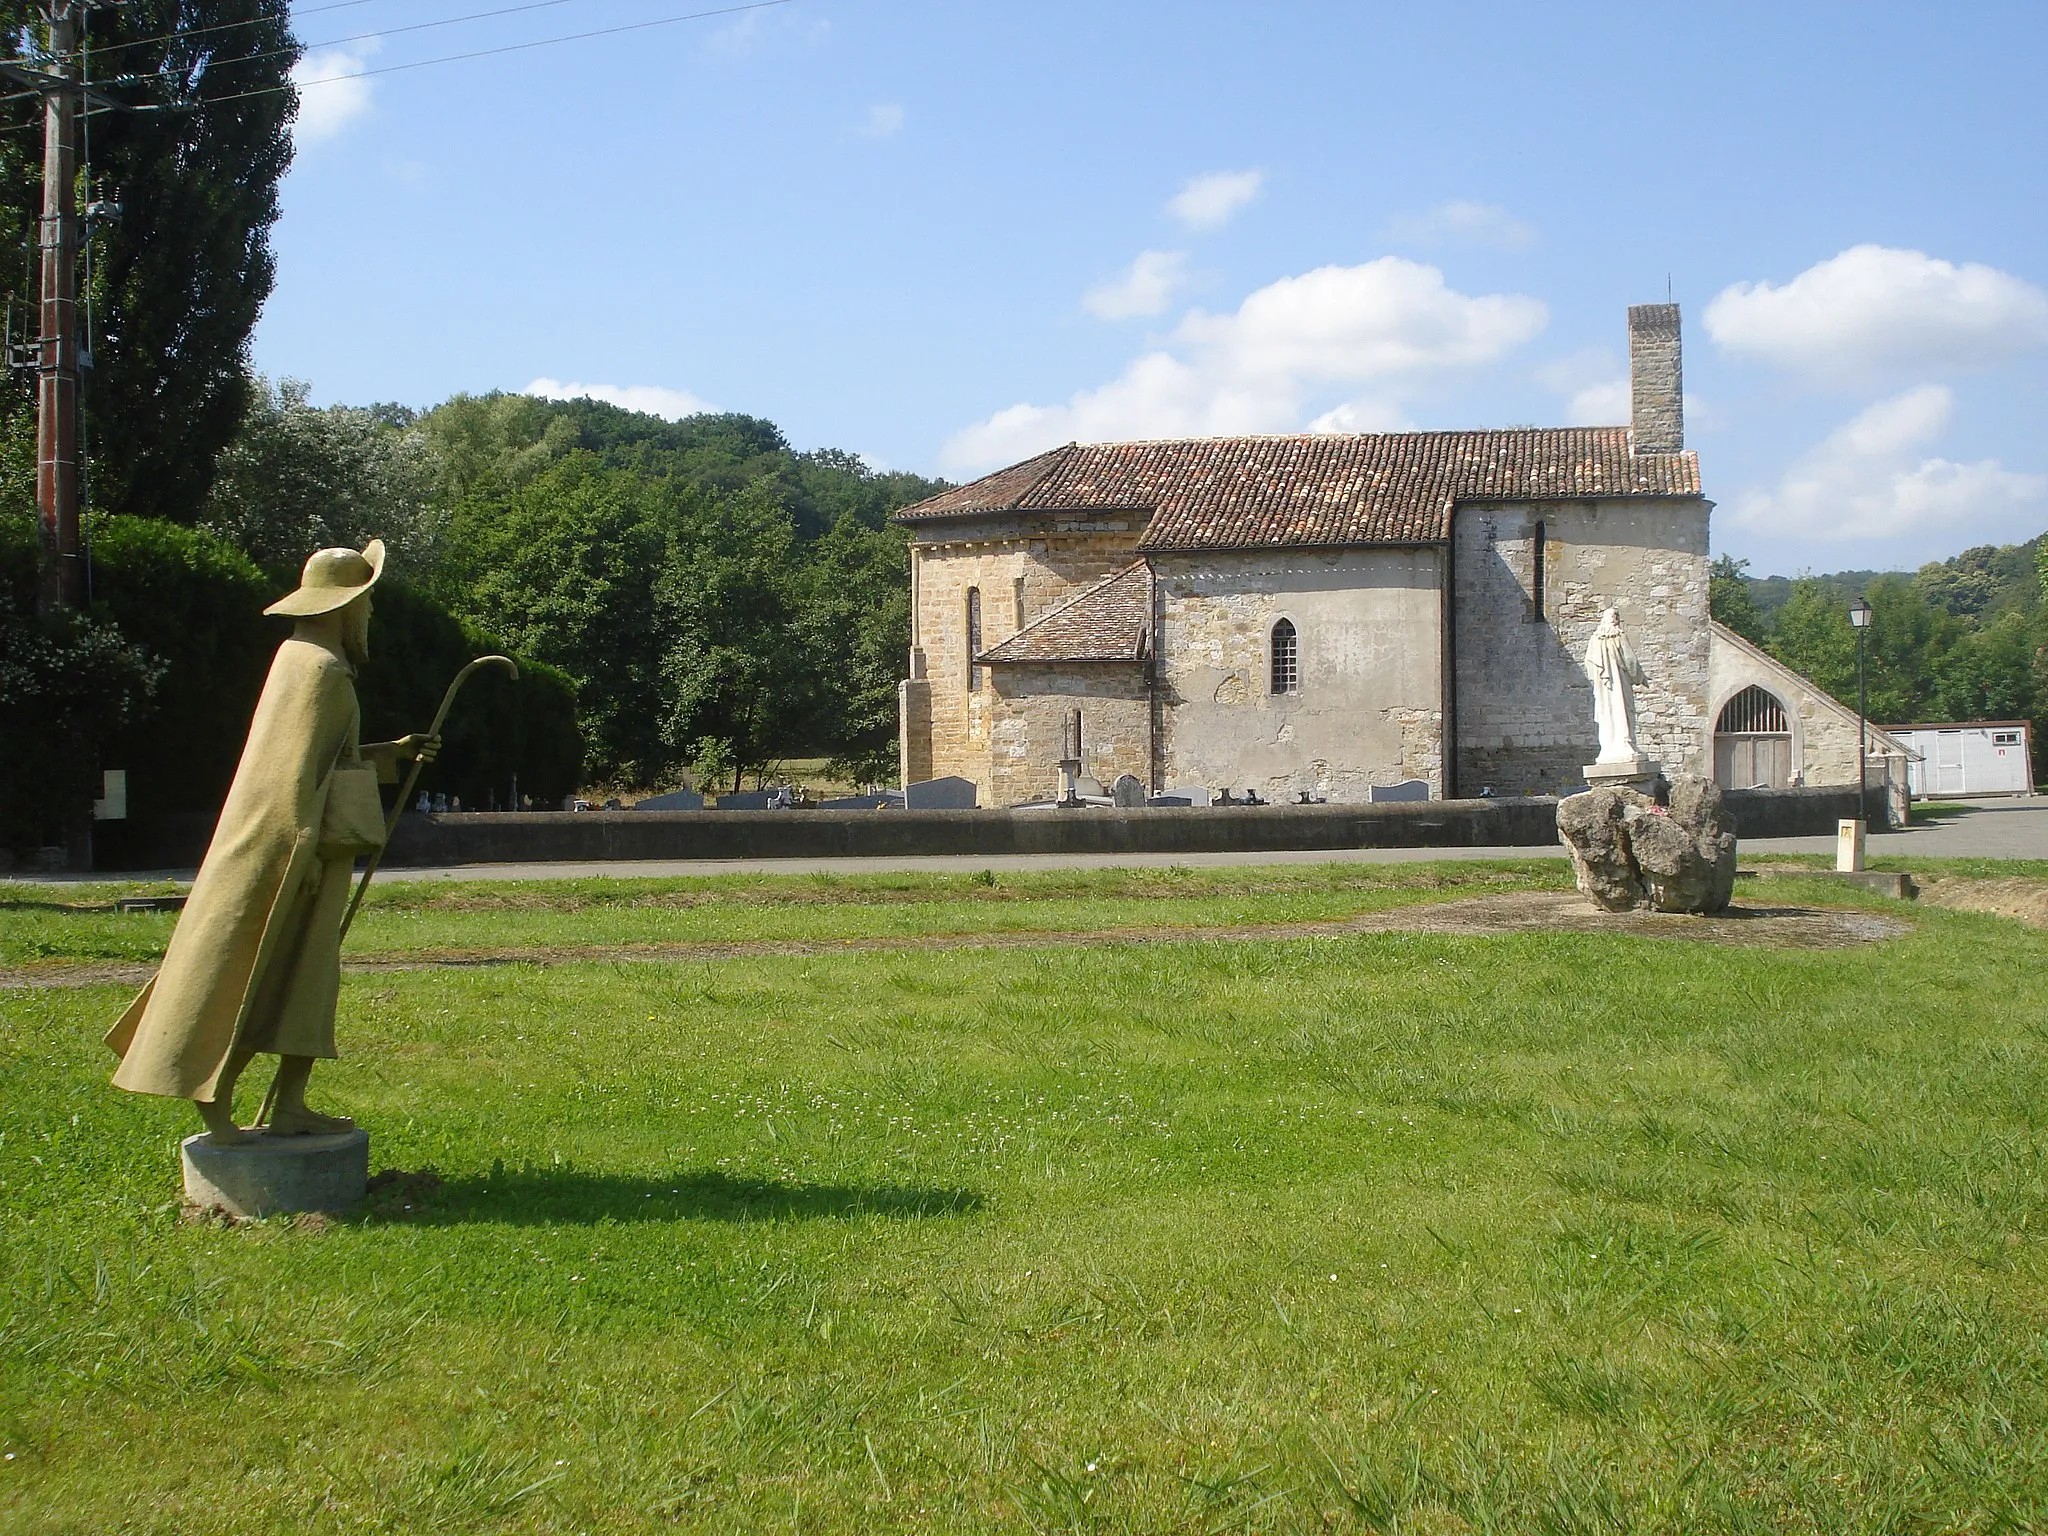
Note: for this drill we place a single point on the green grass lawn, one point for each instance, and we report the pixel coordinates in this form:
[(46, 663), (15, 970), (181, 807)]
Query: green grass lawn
[(42, 924), (1543, 1232)]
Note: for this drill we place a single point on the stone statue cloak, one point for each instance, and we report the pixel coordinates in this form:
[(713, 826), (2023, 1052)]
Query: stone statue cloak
[(1612, 668), (255, 961)]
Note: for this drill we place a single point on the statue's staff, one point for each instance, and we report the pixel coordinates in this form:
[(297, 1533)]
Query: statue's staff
[(404, 795)]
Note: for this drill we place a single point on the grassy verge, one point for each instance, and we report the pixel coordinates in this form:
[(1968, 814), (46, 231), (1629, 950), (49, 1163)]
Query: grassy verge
[(1539, 1232)]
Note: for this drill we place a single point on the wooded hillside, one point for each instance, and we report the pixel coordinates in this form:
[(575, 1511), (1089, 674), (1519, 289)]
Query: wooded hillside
[(1959, 639)]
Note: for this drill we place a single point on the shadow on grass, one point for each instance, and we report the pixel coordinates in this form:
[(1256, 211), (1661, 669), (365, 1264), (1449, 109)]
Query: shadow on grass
[(566, 1197)]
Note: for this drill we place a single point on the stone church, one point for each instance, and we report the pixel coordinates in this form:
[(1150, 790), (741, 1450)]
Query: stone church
[(1326, 613)]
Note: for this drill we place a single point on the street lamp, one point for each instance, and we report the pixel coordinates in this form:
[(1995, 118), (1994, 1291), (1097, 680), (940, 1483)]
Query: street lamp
[(1859, 620)]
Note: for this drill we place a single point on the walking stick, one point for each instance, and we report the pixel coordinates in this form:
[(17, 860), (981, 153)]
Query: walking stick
[(405, 794)]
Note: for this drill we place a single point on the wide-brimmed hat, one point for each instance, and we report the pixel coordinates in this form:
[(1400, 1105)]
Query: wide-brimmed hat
[(333, 578)]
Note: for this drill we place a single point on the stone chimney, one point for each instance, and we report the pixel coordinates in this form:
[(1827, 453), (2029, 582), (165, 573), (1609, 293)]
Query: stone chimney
[(1656, 387)]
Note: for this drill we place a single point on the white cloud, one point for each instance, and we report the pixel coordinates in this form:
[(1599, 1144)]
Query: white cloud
[(1211, 201), (1383, 324), (1607, 404), (673, 404), (736, 37), (1362, 416), (1463, 223), (331, 93), (1874, 310), (883, 120), (1867, 480), (1146, 287), (1594, 385)]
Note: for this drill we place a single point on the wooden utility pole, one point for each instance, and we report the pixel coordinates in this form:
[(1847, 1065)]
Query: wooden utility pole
[(63, 573)]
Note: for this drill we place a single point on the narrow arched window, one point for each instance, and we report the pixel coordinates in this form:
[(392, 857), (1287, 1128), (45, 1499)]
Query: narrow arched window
[(973, 637), (1286, 658), (1536, 572)]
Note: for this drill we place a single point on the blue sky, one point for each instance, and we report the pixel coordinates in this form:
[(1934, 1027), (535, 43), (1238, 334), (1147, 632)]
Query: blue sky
[(945, 236)]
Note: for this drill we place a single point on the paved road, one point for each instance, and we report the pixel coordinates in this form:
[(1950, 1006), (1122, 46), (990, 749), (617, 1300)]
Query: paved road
[(1997, 829), (2003, 829)]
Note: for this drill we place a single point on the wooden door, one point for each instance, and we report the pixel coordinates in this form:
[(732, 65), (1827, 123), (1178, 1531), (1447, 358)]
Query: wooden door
[(1746, 760)]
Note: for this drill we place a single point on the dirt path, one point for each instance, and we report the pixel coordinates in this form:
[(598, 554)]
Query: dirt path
[(1473, 917), (2026, 900)]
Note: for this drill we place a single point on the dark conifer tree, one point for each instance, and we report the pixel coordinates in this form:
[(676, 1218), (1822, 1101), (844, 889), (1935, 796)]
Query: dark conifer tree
[(181, 275)]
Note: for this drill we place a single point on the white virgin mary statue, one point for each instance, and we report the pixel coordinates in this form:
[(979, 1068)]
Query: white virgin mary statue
[(1614, 672)]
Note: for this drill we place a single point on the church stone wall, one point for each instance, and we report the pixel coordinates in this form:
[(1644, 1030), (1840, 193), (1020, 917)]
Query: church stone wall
[(1028, 713), (1369, 706), (1054, 557), (1524, 706)]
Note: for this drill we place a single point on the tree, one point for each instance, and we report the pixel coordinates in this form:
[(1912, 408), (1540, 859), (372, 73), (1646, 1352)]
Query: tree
[(1906, 636), (1982, 582), (181, 274), (1730, 600), (1812, 636), (564, 568), (297, 478), (858, 616), (1989, 674), (735, 665), (67, 681)]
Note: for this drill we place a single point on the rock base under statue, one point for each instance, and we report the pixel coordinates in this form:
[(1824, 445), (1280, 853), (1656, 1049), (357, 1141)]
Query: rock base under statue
[(1637, 773), (1628, 851), (274, 1176)]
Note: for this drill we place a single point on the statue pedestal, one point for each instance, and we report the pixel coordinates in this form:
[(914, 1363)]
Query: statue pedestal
[(273, 1175), (1637, 773)]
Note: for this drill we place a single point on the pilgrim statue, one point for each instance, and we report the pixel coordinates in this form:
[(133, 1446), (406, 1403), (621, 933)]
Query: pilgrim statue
[(1614, 671), (254, 964)]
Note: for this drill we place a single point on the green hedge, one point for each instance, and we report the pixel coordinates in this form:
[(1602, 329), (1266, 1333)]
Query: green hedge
[(194, 604)]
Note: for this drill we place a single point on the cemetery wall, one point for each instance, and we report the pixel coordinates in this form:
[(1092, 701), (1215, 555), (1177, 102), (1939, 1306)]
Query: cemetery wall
[(1368, 709), (178, 842), (1524, 710)]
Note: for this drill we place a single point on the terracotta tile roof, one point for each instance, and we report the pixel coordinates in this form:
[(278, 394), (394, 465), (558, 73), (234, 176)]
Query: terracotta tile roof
[(1317, 489), (1108, 622)]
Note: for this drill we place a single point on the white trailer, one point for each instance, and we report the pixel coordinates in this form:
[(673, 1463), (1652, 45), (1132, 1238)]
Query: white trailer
[(1971, 757)]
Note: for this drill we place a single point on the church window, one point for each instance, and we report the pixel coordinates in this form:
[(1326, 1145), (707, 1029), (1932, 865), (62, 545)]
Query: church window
[(1286, 658), (973, 637), (1017, 601), (1754, 711), (1536, 573)]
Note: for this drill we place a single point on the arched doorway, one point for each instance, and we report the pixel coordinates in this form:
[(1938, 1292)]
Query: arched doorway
[(1753, 742)]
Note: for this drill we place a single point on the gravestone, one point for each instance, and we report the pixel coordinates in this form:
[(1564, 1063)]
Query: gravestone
[(674, 800), (857, 802), (1197, 794), (1406, 790), (749, 800), (1127, 792), (951, 793), (1088, 787)]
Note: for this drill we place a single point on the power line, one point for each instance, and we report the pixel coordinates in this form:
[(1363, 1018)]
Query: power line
[(453, 58), (227, 26), (301, 48), (392, 69)]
